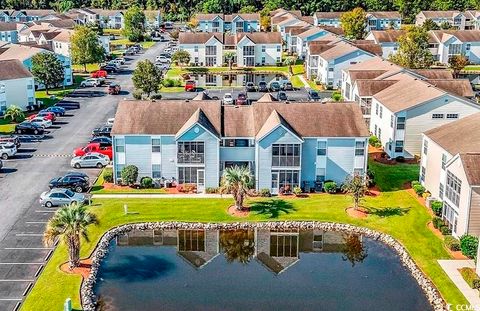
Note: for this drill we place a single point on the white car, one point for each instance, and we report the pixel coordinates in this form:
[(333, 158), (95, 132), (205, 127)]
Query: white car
[(228, 99), (7, 150), (45, 123), (162, 59), (91, 159), (110, 121), (120, 60), (90, 82)]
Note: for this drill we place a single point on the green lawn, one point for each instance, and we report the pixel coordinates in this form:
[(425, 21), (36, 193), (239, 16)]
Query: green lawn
[(472, 68), (90, 67), (97, 188), (108, 31), (393, 177), (396, 213)]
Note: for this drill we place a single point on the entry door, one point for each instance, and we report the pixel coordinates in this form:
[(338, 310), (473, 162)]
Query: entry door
[(275, 182), (200, 180)]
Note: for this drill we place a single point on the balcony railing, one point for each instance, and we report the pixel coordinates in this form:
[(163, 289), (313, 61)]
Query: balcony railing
[(191, 158)]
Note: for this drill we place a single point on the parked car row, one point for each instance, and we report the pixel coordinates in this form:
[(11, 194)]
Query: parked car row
[(274, 86), (242, 99)]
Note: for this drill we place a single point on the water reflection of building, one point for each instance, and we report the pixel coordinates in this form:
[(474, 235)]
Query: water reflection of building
[(276, 250)]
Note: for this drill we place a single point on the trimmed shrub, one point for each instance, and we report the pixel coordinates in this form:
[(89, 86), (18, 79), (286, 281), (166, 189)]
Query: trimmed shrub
[(374, 141), (211, 190), (419, 189), (445, 230), (437, 222), (330, 187), (108, 175), (297, 190), (436, 207), (471, 277), (137, 94), (415, 182), (469, 245), (452, 243), (129, 174), (146, 182), (156, 96), (168, 82), (188, 188), (265, 192)]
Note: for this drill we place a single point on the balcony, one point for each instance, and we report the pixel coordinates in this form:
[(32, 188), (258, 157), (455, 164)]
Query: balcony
[(190, 158)]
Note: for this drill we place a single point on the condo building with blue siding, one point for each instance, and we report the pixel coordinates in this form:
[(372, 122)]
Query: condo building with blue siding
[(295, 144)]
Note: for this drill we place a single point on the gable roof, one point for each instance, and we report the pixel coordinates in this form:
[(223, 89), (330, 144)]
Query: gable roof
[(13, 69), (434, 74), (198, 37), (462, 35), (207, 17), (372, 87), (338, 50), (385, 14), (8, 26), (367, 74), (460, 87), (244, 16), (387, 36), (439, 14), (310, 32), (64, 36), (266, 98), (471, 166), (460, 136), (328, 15), (273, 121), (20, 52), (198, 117)]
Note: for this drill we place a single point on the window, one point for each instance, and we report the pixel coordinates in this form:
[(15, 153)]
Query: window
[(380, 133), (286, 155), (437, 116), (376, 129), (454, 49), (263, 48), (376, 108), (263, 60), (196, 60), (440, 191), (358, 171), (381, 112), (285, 177), (195, 48), (156, 145), (322, 148), (425, 146), (444, 161), (399, 146), (249, 50), (467, 47), (29, 87), (284, 245), (422, 173), (236, 143), (359, 148), (156, 171), (119, 145), (31, 100), (391, 121), (191, 240), (320, 174), (279, 48), (450, 216), (215, 24), (278, 60), (453, 187), (211, 50), (191, 152), (400, 123), (452, 115), (187, 175)]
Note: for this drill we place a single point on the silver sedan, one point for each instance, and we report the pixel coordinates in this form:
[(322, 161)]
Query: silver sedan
[(61, 196)]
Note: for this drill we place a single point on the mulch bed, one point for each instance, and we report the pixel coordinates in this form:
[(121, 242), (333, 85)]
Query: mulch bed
[(360, 213), (373, 191), (83, 269), (232, 210)]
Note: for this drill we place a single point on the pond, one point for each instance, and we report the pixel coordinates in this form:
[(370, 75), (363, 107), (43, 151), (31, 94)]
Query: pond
[(234, 79), (257, 269)]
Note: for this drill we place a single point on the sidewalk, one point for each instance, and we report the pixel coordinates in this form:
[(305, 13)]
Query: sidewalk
[(451, 269), (161, 196)]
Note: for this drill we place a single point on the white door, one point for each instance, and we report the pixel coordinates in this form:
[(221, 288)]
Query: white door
[(274, 182), (200, 181)]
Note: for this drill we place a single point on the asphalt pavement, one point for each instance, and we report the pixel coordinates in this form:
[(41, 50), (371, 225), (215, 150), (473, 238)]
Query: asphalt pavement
[(26, 176)]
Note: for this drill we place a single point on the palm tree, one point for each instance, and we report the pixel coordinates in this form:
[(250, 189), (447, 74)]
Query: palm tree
[(238, 245), (290, 61), (229, 57), (14, 113), (237, 180), (70, 223)]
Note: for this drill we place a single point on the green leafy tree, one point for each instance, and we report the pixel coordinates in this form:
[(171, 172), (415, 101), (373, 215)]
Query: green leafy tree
[(212, 6), (147, 77), (129, 175), (356, 187), (134, 24), (63, 6), (14, 113), (229, 57), (237, 180), (174, 34), (70, 223), (337, 96), (353, 249), (290, 61), (238, 245), (430, 25), (457, 63), (413, 51), (446, 26), (47, 69), (353, 23), (248, 9), (410, 8), (85, 48), (181, 57)]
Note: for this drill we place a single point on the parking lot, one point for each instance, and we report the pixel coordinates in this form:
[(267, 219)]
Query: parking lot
[(25, 176)]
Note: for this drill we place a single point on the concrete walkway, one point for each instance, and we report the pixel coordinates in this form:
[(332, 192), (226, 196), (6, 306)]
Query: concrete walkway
[(161, 196), (451, 269), (305, 83)]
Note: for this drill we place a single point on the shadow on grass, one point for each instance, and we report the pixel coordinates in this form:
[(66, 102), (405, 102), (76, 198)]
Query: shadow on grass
[(387, 211), (96, 188), (272, 208)]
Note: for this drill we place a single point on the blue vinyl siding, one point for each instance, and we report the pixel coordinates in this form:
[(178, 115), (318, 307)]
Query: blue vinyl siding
[(237, 154), (169, 155), (138, 152), (340, 159), (309, 158)]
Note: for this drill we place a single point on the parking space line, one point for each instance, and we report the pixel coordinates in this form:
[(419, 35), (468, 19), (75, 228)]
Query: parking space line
[(16, 280), (29, 234), (10, 299), (45, 211), (21, 263), (36, 222), (28, 248)]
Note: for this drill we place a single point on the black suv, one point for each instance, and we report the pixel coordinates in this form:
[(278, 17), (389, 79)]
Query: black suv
[(104, 141), (102, 131), (75, 183), (29, 128), (262, 86)]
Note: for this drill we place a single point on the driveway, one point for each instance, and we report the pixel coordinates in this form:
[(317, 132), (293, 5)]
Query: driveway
[(22, 254)]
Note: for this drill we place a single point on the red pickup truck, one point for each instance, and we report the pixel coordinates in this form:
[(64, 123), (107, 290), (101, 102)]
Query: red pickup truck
[(93, 147)]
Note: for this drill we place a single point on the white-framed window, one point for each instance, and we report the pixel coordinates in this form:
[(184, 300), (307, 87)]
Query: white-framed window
[(358, 171), (438, 116), (278, 59), (380, 133), (399, 146), (440, 191), (31, 100), (119, 145), (376, 108), (359, 148), (391, 121), (156, 145), (264, 48), (195, 48), (453, 188), (400, 123), (279, 48), (156, 171), (444, 160), (285, 155), (29, 86), (381, 112), (422, 173), (320, 174), (425, 146), (450, 216), (452, 115), (321, 148), (375, 132)]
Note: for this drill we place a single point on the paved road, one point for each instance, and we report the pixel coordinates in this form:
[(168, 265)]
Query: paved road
[(24, 177)]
